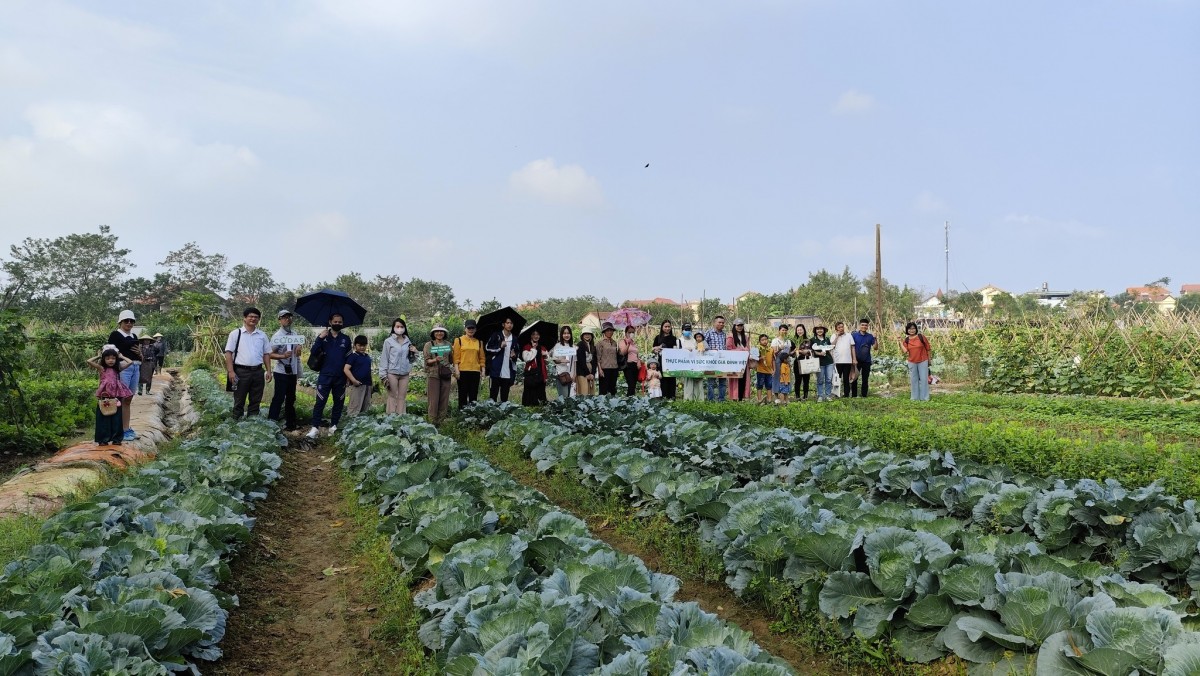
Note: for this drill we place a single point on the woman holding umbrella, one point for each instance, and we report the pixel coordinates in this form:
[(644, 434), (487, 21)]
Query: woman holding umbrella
[(629, 350), (534, 354)]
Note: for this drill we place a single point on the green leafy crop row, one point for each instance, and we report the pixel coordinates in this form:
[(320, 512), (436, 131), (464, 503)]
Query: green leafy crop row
[(1008, 442), (1006, 571), (521, 587), (126, 582)]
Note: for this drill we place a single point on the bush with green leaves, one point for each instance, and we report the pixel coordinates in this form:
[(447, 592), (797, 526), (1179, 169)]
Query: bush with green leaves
[(940, 556), (126, 581), (521, 587)]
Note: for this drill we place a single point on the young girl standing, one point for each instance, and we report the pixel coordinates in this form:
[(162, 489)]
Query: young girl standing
[(653, 381), (110, 363)]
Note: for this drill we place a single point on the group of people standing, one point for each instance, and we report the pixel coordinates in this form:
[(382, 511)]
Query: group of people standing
[(120, 380), (777, 367)]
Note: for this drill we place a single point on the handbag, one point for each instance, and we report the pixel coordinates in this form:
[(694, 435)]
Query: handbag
[(808, 366), (109, 406), (642, 372), (230, 383), (315, 359), (565, 378)]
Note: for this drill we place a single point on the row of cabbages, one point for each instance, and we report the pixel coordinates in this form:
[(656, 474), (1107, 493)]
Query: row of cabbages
[(522, 587), (129, 583), (1004, 571)]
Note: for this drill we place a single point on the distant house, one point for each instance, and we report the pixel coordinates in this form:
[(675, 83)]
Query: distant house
[(1047, 298), (988, 295), (932, 306), (595, 319), (1188, 289), (1159, 296), (748, 294), (528, 306)]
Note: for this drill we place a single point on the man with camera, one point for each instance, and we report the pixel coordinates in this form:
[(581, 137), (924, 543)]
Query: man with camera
[(285, 352)]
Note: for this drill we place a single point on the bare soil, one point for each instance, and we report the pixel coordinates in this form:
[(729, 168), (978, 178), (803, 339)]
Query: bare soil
[(303, 609)]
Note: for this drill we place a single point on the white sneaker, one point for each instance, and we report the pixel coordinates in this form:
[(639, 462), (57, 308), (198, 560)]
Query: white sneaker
[(332, 429), (312, 433)]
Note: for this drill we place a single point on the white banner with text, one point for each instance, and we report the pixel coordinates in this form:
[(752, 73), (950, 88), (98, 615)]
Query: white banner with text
[(710, 364)]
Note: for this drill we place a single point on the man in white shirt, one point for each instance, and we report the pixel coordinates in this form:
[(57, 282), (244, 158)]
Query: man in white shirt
[(844, 359), (285, 352), (248, 363)]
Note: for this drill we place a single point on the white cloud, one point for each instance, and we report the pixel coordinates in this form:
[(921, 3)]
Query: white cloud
[(568, 184), (461, 22), (327, 225), (928, 203), (1041, 225), (853, 102)]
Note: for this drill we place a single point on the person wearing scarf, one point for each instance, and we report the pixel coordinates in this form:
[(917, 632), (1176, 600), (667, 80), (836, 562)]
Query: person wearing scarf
[(534, 355)]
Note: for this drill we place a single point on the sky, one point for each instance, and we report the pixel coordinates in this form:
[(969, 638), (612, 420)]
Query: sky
[(501, 147)]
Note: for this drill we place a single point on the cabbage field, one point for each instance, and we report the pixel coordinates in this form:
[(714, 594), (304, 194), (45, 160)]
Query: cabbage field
[(932, 555)]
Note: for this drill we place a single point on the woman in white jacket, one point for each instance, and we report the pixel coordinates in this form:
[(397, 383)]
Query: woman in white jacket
[(395, 365)]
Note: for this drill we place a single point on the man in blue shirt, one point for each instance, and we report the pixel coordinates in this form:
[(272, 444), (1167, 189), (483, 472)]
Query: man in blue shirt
[(331, 379), (864, 343), (715, 388)]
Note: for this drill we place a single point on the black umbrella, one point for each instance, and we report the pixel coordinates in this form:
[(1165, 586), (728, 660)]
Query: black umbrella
[(547, 333), (493, 322), (319, 306)]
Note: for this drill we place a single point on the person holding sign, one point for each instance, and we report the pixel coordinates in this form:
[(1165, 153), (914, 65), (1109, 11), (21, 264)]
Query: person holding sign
[(822, 346), (564, 362), (438, 374)]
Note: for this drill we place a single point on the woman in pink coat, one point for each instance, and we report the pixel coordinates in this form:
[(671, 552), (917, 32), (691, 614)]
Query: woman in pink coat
[(737, 340)]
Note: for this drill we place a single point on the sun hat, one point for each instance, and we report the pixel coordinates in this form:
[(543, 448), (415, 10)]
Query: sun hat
[(146, 337), (158, 335), (284, 313), (435, 329), (607, 326), (126, 314), (585, 329), (739, 320)]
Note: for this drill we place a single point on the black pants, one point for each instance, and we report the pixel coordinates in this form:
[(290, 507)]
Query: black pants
[(864, 373), (499, 389), (534, 392), (631, 379), (250, 384), (284, 400), (802, 381), (329, 385), (608, 381), (668, 387), (844, 371), (468, 388)]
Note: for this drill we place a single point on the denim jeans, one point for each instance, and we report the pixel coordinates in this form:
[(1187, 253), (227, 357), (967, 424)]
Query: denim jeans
[(918, 380), (715, 388), (825, 378)]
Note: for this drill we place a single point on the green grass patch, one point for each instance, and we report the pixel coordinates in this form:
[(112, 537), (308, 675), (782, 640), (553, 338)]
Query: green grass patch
[(1038, 447), (396, 647)]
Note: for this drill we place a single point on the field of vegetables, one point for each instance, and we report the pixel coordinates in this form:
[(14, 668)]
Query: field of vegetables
[(126, 582), (927, 553)]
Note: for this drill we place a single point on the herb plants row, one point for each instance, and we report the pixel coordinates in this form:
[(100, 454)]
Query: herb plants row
[(521, 587), (127, 580), (1005, 571)]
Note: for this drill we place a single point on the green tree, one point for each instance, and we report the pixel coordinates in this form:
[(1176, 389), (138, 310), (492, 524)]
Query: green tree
[(489, 306), (75, 278), (1188, 304), (711, 307), (831, 297), (252, 285), (193, 270), (425, 299), (969, 303)]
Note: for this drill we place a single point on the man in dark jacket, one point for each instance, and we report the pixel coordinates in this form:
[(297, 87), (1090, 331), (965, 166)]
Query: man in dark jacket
[(331, 379)]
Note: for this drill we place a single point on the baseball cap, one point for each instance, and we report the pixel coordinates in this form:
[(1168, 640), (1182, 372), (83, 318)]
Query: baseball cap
[(284, 313), (469, 324)]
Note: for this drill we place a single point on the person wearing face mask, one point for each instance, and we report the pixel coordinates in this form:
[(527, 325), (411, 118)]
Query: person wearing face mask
[(395, 366), (693, 388), (331, 380)]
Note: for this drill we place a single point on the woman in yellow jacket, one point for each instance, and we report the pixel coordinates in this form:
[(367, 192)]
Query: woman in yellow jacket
[(468, 364)]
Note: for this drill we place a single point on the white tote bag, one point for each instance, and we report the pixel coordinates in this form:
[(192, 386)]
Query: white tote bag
[(810, 365)]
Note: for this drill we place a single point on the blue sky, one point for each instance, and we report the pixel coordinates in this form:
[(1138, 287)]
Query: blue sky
[(500, 147)]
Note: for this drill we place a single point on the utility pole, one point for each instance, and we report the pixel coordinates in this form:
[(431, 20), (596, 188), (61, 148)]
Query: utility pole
[(878, 281), (947, 287)]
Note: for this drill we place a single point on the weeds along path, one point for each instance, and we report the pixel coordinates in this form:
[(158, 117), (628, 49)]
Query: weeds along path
[(303, 606), (701, 576)]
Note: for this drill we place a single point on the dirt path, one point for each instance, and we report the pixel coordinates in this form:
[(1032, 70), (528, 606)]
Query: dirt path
[(300, 612)]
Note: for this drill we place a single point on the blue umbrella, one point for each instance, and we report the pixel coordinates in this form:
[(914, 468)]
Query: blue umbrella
[(318, 306)]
